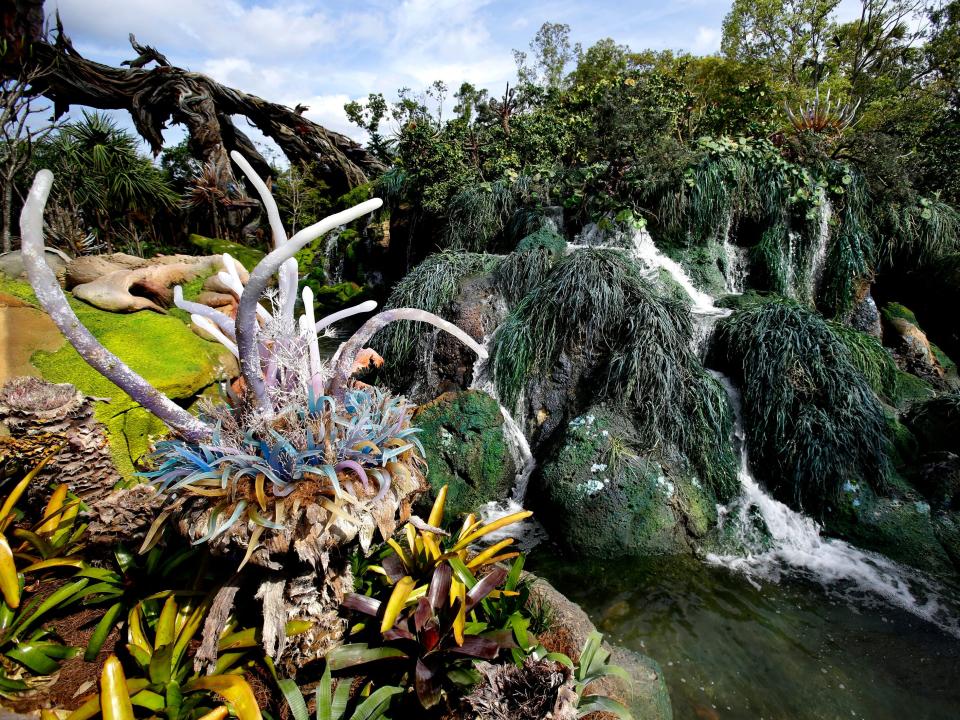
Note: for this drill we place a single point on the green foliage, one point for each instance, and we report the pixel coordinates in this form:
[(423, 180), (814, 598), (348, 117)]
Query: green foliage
[(924, 232), (813, 421), (596, 303), (871, 359), (430, 286), (526, 267)]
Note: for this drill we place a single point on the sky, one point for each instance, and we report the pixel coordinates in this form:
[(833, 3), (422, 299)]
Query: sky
[(323, 54)]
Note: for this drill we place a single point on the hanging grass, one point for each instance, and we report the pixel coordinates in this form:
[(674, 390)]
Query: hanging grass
[(595, 301), (430, 286), (872, 359), (812, 419), (480, 212), (850, 256), (526, 267), (923, 232)]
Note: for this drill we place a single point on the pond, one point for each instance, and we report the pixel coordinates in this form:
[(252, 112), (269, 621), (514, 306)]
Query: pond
[(741, 648)]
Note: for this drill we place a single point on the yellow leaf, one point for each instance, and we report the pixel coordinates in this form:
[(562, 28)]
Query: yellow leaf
[(460, 621), (9, 582), (395, 604), (474, 535), (233, 689), (135, 634), (481, 558), (17, 491), (436, 514), (114, 698), (468, 522), (217, 714), (51, 513)]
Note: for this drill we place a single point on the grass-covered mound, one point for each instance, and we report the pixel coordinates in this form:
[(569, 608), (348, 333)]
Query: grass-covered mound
[(813, 421), (595, 302)]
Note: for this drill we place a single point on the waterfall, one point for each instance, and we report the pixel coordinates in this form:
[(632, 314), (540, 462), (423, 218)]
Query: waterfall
[(529, 533), (819, 258), (737, 263), (334, 258), (705, 312), (793, 545)]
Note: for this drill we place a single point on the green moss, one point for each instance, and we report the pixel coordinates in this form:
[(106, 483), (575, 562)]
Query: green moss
[(247, 256), (602, 499), (191, 291), (330, 298), (911, 389), (169, 355), (355, 196), (896, 310), (465, 449), (900, 528), (544, 238), (703, 264)]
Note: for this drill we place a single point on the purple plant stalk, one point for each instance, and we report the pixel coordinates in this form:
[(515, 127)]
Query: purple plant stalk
[(53, 301)]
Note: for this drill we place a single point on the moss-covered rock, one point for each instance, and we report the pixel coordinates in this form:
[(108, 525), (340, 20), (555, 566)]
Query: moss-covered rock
[(902, 528), (704, 264), (600, 498), (330, 298), (466, 449), (247, 256), (161, 348)]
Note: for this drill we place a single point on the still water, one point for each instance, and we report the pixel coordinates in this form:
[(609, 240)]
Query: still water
[(747, 649)]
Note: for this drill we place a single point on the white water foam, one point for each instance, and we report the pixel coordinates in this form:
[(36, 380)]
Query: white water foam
[(795, 547), (819, 259), (528, 533)]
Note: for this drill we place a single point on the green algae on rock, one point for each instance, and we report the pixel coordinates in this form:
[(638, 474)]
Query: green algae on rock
[(163, 349), (601, 497), (465, 449)]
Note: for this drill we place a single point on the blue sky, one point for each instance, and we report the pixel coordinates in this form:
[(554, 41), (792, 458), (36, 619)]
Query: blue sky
[(326, 53)]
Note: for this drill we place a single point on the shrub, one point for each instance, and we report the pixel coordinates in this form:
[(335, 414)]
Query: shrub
[(812, 419)]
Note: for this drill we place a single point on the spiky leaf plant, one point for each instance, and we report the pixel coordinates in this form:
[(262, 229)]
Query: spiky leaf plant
[(596, 302), (812, 420), (526, 267), (480, 212)]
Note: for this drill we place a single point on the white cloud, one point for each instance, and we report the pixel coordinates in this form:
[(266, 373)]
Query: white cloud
[(706, 41)]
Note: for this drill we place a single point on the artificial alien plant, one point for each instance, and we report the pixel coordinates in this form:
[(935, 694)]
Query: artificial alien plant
[(299, 458)]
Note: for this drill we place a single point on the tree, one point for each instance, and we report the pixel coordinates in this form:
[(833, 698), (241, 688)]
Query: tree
[(552, 52), (101, 176), (20, 129), (788, 34)]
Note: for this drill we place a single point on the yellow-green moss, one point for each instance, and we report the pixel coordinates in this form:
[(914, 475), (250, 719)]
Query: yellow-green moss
[(247, 256), (164, 350)]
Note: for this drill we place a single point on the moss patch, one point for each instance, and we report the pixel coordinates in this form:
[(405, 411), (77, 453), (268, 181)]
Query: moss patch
[(465, 449), (247, 256), (600, 499), (169, 355)]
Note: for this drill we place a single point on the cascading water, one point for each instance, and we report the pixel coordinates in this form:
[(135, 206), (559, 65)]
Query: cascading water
[(334, 258), (774, 541), (705, 312), (529, 533), (737, 262), (818, 259)]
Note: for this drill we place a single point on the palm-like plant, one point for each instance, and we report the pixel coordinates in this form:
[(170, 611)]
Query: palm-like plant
[(102, 174)]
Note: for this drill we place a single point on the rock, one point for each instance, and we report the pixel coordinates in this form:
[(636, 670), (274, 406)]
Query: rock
[(646, 695), (911, 348), (11, 263), (444, 363), (936, 423), (938, 478), (903, 527), (125, 283), (465, 449), (600, 498), (865, 317), (162, 348)]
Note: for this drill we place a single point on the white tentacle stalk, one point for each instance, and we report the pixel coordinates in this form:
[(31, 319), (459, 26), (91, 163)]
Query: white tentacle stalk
[(54, 302), (347, 354)]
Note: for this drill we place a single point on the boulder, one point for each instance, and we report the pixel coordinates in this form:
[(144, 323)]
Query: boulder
[(601, 497), (466, 449), (912, 350), (646, 694)]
